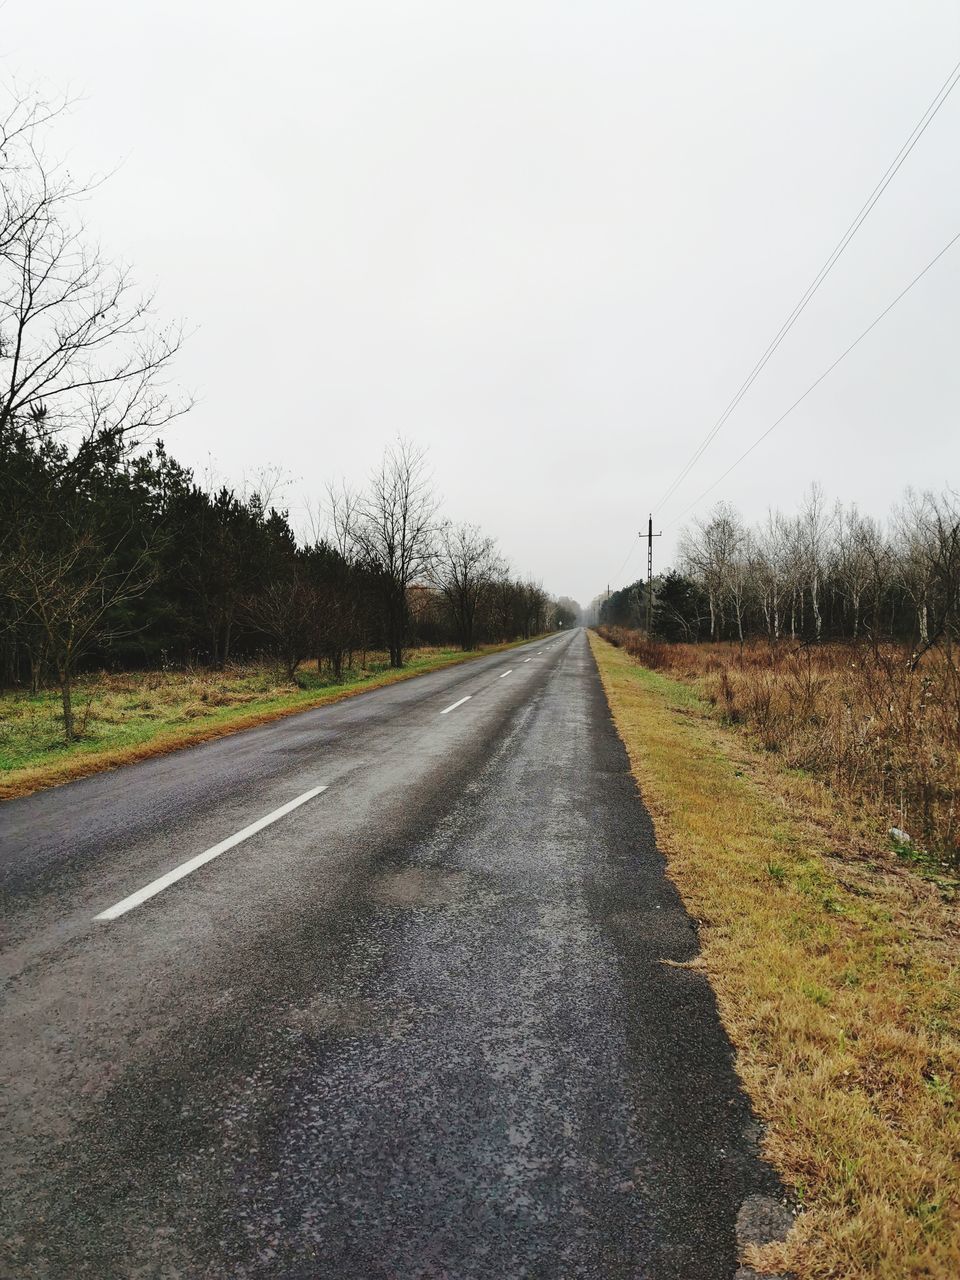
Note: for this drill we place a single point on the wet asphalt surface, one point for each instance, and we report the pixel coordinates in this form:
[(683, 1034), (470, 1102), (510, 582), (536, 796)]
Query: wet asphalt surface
[(419, 1027)]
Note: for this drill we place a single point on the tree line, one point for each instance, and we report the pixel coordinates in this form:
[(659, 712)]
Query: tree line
[(112, 554), (822, 573)]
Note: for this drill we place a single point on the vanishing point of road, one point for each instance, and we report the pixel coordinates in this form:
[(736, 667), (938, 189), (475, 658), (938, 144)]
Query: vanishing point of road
[(375, 991)]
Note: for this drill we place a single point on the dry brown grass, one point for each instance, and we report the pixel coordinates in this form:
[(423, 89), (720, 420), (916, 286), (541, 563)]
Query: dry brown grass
[(862, 718), (837, 980)]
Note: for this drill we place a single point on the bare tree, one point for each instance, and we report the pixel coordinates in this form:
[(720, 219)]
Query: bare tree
[(916, 570), (464, 569), (881, 558), (814, 533), (769, 560), (708, 549), (78, 349), (395, 530), (740, 575), (841, 573), (931, 526), (266, 485), (343, 510), (69, 589), (82, 372), (285, 611), (536, 608), (856, 538)]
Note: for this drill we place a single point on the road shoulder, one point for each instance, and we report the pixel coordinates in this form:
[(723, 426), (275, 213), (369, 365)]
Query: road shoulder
[(85, 758), (836, 981)]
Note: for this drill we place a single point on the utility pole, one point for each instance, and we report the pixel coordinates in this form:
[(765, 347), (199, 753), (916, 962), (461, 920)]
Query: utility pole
[(650, 537)]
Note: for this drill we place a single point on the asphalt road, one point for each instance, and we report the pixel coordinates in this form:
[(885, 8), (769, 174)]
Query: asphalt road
[(417, 1026)]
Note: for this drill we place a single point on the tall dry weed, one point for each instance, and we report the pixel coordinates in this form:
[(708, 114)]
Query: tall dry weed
[(867, 719)]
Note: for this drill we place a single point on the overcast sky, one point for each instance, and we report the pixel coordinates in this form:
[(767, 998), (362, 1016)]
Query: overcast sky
[(546, 240)]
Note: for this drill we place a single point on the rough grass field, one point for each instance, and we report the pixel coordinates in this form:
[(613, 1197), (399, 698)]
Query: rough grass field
[(134, 715), (880, 727), (836, 972)]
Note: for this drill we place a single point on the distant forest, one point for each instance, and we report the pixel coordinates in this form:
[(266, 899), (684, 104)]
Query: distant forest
[(822, 574), (112, 555)]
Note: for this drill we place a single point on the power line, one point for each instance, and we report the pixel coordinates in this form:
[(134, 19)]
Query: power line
[(861, 216), (856, 342), (628, 556), (915, 136)]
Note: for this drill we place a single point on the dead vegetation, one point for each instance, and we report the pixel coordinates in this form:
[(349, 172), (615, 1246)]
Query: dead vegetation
[(877, 724)]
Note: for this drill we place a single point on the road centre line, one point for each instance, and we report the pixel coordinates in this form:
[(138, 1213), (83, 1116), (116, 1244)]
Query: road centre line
[(178, 873), (507, 673), (527, 659), (453, 705)]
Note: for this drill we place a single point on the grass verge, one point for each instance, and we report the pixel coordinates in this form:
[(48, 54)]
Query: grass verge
[(136, 715), (880, 729), (837, 979)]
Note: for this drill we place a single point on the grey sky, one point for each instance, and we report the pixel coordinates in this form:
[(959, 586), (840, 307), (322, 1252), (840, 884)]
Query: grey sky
[(547, 240)]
